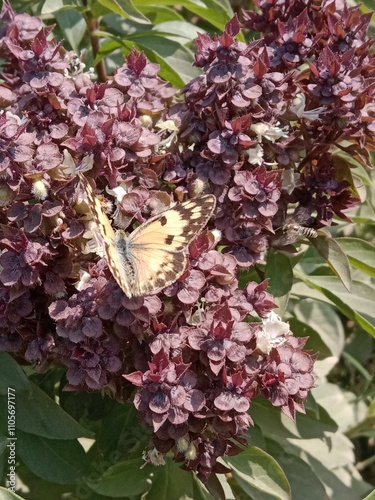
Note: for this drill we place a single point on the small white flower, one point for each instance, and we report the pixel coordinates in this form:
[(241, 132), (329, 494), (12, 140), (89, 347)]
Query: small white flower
[(84, 277), (255, 155), (270, 132), (273, 334), (298, 108), (217, 234), (9, 114), (118, 192), (182, 444), (167, 125)]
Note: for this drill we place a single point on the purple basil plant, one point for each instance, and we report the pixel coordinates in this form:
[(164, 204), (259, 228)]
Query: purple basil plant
[(256, 129)]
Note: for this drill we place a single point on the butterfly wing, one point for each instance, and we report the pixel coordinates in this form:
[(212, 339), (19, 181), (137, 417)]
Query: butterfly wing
[(113, 258), (155, 251), (173, 229), (152, 269)]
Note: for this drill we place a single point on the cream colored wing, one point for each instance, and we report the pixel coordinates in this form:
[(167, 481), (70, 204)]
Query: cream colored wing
[(154, 253), (152, 269), (105, 229), (173, 229), (153, 256)]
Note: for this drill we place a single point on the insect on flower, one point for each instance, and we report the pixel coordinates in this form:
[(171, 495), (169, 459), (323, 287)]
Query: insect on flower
[(153, 255)]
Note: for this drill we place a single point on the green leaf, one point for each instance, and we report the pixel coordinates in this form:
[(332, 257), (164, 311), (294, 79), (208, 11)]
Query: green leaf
[(357, 305), (215, 12), (370, 5), (340, 404), (106, 48), (55, 460), (171, 482), (124, 479), (371, 496), (299, 474), (38, 414), (3, 444), (357, 365), (6, 494), (160, 14), (180, 31), (73, 27), (175, 60), (257, 471), (275, 425), (327, 452), (218, 489), (121, 431), (360, 166), (335, 258), (361, 254), (52, 6), (11, 375), (114, 25), (326, 361), (324, 321), (125, 8), (280, 273)]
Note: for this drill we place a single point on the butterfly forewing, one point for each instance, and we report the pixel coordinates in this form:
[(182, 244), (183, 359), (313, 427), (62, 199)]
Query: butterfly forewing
[(108, 235), (153, 256), (173, 229)]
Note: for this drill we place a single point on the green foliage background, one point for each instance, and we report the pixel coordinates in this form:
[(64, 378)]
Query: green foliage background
[(79, 446)]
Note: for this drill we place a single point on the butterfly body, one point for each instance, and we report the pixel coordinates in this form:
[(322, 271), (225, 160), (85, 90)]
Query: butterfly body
[(153, 255)]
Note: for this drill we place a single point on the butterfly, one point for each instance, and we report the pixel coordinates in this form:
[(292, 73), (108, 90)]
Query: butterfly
[(153, 256)]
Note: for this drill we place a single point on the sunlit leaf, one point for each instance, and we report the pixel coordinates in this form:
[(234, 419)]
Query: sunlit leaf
[(73, 27), (371, 496), (51, 6), (323, 319), (257, 471), (126, 9), (175, 60), (6, 494), (335, 258), (357, 305), (215, 12), (176, 30), (361, 254)]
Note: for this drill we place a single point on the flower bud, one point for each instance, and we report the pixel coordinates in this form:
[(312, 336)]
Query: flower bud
[(39, 190)]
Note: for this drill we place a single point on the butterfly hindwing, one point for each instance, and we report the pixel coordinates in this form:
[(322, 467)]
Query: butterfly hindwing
[(154, 269), (153, 255)]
